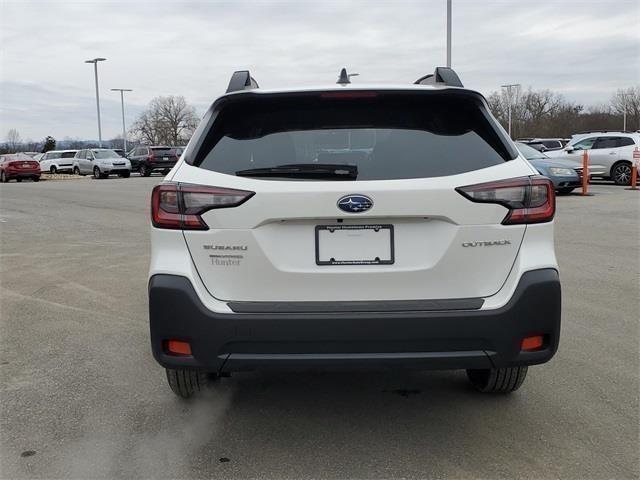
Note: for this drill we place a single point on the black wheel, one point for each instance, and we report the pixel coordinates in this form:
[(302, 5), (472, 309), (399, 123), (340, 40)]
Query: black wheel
[(18, 179), (497, 380), (36, 179), (3, 178), (53, 169), (76, 171), (125, 174), (186, 383), (97, 174), (566, 190), (621, 173), (145, 171)]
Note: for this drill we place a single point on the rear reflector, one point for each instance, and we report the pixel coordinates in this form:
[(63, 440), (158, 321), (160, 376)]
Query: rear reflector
[(529, 199), (179, 206), (178, 347), (530, 344)]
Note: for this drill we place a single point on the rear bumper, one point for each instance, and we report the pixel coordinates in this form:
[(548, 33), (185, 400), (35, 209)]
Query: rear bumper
[(159, 165), (453, 339), (22, 173)]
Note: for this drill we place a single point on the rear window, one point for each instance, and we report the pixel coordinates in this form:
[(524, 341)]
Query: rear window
[(624, 142), (68, 154), (163, 151), (385, 136)]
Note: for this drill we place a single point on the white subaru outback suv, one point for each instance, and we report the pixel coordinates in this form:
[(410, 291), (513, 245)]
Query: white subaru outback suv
[(381, 227)]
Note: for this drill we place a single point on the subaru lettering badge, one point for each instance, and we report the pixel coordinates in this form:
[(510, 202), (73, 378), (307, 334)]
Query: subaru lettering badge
[(355, 203)]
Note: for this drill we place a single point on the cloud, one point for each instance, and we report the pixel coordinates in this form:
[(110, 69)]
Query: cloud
[(585, 50)]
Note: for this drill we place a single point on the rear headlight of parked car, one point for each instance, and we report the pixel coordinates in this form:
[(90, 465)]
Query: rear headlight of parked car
[(529, 199), (179, 206)]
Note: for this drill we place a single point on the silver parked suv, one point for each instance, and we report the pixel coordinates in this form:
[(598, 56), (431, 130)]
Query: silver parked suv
[(100, 162), (611, 150)]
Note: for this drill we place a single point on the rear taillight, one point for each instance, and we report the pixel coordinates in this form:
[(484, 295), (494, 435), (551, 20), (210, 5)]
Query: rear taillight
[(151, 157), (529, 199), (179, 206)]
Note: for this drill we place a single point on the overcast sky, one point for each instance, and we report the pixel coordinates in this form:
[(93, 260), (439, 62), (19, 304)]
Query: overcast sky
[(582, 49)]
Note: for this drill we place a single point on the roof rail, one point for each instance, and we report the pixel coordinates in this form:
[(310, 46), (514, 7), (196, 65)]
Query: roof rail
[(241, 80), (443, 75)]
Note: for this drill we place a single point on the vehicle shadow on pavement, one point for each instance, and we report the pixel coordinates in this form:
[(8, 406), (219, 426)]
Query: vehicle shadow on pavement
[(354, 425)]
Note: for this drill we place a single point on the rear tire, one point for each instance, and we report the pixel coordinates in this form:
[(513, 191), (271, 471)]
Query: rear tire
[(144, 171), (36, 179), (621, 173), (124, 174), (186, 383), (565, 191), (53, 169), (497, 380), (76, 171), (18, 179)]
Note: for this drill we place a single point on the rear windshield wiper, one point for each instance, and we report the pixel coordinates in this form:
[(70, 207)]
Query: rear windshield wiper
[(304, 170)]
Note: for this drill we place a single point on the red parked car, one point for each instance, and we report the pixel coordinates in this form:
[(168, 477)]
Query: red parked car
[(18, 166)]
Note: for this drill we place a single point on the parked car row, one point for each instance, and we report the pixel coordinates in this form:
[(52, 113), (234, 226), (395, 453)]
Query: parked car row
[(99, 162)]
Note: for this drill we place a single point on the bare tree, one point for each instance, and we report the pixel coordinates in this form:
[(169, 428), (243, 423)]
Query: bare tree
[(628, 100), (536, 113), (168, 120), (14, 141)]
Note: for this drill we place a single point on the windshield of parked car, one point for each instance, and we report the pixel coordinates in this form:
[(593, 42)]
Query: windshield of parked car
[(385, 136), (105, 154), (530, 153)]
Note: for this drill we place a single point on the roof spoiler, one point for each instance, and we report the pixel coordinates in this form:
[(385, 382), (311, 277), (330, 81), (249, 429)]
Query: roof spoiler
[(241, 80), (442, 75)]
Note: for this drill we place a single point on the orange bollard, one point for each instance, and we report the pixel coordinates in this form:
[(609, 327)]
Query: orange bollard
[(634, 169), (585, 173)]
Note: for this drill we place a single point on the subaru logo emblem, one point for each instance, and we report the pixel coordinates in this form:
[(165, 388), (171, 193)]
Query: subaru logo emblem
[(355, 203)]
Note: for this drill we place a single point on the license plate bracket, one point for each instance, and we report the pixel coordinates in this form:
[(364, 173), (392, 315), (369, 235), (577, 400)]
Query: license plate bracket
[(354, 244)]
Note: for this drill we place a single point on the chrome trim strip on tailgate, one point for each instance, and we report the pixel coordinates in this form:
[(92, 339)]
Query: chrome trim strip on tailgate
[(358, 306)]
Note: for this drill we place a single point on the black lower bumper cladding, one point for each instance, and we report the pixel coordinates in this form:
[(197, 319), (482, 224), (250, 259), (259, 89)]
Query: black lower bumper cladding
[(385, 337)]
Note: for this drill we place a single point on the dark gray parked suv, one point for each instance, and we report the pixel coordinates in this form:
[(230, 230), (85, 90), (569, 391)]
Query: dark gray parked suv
[(148, 159)]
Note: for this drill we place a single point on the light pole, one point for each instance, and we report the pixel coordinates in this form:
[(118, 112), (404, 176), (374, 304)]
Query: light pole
[(95, 70), (449, 33), (124, 130), (510, 89), (624, 110)]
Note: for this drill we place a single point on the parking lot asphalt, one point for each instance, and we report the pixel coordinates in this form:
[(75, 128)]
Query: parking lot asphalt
[(82, 397)]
